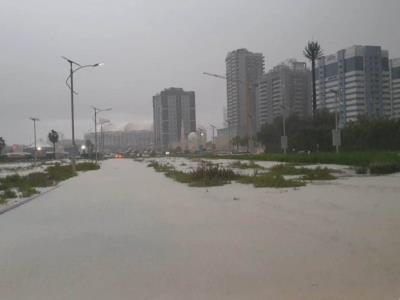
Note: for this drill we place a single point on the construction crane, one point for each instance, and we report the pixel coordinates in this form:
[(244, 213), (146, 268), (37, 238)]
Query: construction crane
[(249, 106)]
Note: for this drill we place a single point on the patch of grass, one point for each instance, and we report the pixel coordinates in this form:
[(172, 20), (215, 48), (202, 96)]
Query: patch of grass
[(160, 167), (26, 184), (206, 174), (343, 158), (27, 191), (9, 194), (242, 165), (319, 174), (3, 200), (60, 173), (270, 180), (288, 169), (381, 168), (361, 170), (308, 174), (87, 166)]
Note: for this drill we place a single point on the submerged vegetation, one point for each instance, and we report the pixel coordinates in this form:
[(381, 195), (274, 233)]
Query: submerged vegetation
[(210, 174), (14, 186), (374, 162), (243, 165)]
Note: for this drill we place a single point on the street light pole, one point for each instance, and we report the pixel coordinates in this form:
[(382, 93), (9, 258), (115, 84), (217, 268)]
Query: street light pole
[(336, 138), (213, 127), (97, 111), (71, 87), (34, 136), (284, 139)]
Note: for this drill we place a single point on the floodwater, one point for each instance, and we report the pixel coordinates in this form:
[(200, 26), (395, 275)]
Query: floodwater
[(127, 232)]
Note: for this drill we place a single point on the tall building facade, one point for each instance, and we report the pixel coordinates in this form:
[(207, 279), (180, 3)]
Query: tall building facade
[(360, 74), (243, 70), (174, 117), (284, 89), (395, 87)]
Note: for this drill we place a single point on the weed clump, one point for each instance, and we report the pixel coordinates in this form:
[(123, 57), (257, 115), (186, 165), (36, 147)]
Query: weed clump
[(271, 180), (242, 165), (87, 166), (381, 168)]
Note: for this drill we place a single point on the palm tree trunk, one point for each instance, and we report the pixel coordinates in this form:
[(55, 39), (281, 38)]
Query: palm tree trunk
[(54, 150), (314, 89)]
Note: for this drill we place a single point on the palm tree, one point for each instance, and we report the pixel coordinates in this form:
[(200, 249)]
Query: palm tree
[(313, 52), (2, 144), (53, 138)]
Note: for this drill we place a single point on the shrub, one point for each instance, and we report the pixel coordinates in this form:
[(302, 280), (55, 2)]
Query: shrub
[(9, 194), (27, 191), (270, 180), (384, 168), (242, 165), (319, 174), (87, 166), (361, 170), (60, 173)]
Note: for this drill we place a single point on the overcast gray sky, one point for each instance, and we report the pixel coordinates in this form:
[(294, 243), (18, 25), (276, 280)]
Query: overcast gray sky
[(148, 45)]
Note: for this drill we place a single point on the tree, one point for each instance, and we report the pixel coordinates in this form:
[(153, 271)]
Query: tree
[(313, 52), (2, 144), (53, 138)]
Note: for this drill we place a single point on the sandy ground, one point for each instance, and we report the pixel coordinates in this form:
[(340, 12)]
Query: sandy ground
[(127, 232)]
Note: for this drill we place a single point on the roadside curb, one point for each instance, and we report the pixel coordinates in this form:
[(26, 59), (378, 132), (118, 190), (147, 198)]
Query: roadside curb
[(4, 210)]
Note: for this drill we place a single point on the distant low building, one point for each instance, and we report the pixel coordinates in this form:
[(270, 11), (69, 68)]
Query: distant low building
[(135, 140)]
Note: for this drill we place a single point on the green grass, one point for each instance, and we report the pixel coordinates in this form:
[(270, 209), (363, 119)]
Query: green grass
[(87, 166), (376, 162), (381, 168), (242, 165), (27, 191), (319, 174), (26, 185), (270, 180), (345, 158), (308, 174), (206, 174)]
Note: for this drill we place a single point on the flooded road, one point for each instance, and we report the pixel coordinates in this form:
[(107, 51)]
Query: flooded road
[(127, 232)]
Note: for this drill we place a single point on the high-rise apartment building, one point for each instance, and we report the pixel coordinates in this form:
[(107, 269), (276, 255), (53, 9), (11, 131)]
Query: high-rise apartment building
[(243, 70), (360, 74), (284, 89), (395, 87), (174, 116)]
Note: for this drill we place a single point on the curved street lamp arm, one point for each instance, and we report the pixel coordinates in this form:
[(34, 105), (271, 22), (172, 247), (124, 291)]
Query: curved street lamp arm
[(77, 69)]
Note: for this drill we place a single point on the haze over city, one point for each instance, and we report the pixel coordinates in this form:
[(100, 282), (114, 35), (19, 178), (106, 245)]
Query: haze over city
[(147, 46)]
